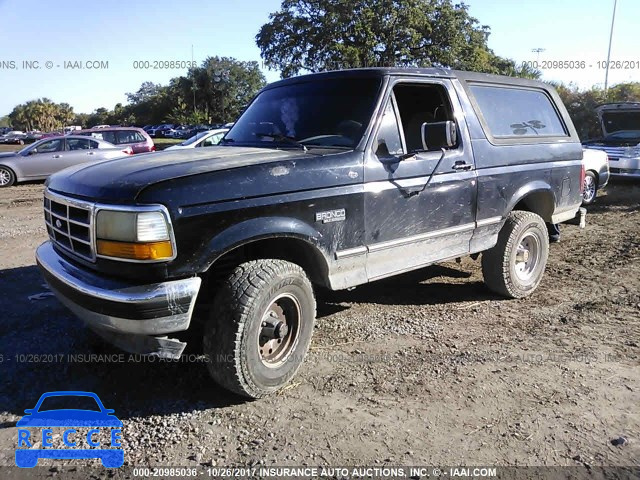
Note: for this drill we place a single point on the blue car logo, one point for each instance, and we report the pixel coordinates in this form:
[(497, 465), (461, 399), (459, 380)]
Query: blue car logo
[(45, 418)]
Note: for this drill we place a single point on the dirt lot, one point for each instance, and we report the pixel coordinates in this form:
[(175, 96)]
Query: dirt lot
[(428, 368)]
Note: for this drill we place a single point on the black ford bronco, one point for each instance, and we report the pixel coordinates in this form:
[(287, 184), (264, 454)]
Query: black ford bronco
[(333, 179)]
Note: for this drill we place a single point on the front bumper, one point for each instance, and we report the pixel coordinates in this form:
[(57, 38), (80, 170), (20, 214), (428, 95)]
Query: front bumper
[(135, 318), (625, 167)]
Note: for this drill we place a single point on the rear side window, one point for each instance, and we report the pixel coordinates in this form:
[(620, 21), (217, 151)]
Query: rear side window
[(128, 136), (106, 136), (79, 144), (517, 112)]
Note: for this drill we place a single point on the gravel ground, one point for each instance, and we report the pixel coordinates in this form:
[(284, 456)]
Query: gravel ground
[(426, 368)]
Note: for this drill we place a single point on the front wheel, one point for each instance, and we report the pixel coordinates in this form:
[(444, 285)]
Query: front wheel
[(590, 188), (260, 327), (515, 265)]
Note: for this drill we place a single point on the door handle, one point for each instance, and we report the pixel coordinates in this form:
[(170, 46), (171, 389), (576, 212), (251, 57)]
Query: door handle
[(89, 153), (57, 156), (462, 166)]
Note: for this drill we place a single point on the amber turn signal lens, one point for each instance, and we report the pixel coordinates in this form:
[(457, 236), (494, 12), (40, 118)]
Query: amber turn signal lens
[(136, 251)]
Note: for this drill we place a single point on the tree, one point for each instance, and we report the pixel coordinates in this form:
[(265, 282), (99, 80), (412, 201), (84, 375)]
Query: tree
[(41, 114), (317, 35), (146, 91)]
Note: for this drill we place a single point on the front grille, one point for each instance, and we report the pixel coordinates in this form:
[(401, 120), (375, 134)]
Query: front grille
[(614, 153), (69, 224)]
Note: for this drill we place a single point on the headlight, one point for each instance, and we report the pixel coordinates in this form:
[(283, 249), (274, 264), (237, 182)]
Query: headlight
[(133, 235), (632, 152)]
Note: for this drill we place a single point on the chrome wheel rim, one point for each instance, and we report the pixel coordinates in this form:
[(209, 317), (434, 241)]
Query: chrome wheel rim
[(527, 256), (5, 177), (279, 330), (589, 188)]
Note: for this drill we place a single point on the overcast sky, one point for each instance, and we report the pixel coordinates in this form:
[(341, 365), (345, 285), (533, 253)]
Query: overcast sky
[(122, 33)]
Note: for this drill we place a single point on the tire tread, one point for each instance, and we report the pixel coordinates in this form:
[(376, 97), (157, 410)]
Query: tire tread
[(232, 307)]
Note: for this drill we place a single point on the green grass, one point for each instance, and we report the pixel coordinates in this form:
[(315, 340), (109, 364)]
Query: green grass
[(162, 143)]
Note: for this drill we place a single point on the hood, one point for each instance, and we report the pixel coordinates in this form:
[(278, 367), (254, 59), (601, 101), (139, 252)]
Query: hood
[(122, 179), (8, 154), (616, 117)]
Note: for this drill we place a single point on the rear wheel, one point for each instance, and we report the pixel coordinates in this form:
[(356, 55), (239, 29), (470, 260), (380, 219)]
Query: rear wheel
[(515, 265), (260, 327), (7, 177), (590, 188)]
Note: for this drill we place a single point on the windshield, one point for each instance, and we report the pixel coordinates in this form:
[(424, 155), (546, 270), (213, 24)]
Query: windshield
[(28, 148), (69, 402), (328, 113), (195, 138)]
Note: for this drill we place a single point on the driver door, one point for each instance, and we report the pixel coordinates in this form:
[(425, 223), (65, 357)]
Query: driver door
[(420, 203), (45, 159)]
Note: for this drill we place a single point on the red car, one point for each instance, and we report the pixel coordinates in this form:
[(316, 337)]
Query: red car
[(136, 138)]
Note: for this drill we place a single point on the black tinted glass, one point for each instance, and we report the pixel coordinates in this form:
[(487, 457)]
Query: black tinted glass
[(67, 402)]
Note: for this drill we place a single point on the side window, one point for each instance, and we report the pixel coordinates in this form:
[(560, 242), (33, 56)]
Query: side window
[(125, 136), (78, 144), (212, 140), (50, 146), (419, 104), (517, 112), (106, 136), (93, 144), (388, 142)]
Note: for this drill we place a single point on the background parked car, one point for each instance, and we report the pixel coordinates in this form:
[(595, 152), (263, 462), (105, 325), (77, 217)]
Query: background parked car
[(159, 131), (15, 137), (596, 177), (178, 132), (202, 139), (620, 139), (49, 155), (135, 137)]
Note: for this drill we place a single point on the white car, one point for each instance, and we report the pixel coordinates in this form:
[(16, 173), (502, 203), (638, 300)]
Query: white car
[(202, 139), (596, 177)]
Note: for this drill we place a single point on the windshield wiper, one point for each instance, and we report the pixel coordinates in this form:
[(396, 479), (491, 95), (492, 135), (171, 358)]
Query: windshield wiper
[(282, 139)]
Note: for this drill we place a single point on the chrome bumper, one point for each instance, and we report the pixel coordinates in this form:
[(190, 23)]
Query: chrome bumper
[(625, 167), (133, 317)]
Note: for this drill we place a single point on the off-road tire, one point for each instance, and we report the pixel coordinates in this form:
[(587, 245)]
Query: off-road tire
[(499, 263), (234, 328)]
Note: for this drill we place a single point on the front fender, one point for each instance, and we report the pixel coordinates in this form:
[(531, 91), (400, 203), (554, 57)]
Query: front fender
[(256, 229)]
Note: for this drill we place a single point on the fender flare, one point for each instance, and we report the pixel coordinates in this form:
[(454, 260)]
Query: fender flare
[(262, 228), (536, 187)]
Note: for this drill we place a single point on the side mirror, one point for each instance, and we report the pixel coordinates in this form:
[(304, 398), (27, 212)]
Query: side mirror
[(437, 135), (28, 411)]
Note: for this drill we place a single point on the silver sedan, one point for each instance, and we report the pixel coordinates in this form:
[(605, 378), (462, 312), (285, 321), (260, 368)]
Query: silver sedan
[(202, 139), (49, 155)]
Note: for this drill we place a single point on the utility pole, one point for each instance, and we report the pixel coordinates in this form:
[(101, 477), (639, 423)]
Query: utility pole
[(606, 75), (194, 82)]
